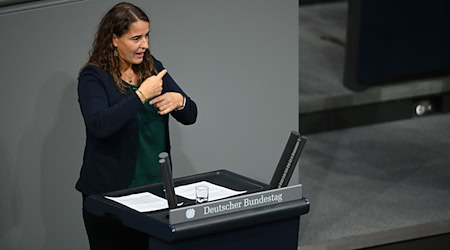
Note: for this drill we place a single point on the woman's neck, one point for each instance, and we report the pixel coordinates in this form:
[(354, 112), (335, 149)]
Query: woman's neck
[(126, 68), (128, 75)]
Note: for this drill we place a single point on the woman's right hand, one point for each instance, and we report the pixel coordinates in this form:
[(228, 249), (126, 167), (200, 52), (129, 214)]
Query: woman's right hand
[(152, 86)]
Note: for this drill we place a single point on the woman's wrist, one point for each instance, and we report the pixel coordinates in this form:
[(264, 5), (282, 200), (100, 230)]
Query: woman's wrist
[(182, 104), (141, 95)]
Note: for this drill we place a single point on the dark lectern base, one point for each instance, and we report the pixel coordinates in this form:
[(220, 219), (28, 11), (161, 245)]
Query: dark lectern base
[(280, 235), (266, 227)]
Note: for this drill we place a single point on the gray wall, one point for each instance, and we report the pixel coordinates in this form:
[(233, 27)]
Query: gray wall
[(237, 59)]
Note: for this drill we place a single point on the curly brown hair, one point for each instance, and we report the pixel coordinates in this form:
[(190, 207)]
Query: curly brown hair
[(117, 22)]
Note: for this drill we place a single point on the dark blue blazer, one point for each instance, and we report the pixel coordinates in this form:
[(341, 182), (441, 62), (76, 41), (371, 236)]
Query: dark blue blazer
[(112, 139)]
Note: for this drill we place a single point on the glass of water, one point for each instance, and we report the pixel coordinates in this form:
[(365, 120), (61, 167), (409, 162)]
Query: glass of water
[(201, 194)]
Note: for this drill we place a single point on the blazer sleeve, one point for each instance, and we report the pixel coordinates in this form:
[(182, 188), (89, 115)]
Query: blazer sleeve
[(102, 118), (186, 116)]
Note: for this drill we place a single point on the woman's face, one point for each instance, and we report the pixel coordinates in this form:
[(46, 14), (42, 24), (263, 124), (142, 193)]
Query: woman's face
[(132, 45)]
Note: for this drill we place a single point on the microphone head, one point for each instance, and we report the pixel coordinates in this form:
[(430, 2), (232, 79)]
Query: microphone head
[(163, 155)]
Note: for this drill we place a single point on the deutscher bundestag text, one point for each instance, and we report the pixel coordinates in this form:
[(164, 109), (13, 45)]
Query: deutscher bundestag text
[(244, 203)]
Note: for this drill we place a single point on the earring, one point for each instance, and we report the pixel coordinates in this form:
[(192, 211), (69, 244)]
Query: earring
[(116, 53)]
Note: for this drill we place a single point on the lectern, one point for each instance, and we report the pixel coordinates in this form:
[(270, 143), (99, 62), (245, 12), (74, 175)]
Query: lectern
[(271, 224)]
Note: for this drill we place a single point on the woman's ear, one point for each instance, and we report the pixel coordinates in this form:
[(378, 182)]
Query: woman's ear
[(114, 40)]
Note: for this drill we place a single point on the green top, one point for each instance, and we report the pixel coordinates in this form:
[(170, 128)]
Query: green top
[(152, 141)]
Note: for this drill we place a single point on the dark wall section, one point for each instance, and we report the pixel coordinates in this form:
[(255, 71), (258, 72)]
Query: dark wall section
[(305, 2), (398, 40)]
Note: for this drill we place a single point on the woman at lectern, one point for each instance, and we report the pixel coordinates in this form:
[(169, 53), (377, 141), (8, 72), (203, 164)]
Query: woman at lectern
[(125, 97)]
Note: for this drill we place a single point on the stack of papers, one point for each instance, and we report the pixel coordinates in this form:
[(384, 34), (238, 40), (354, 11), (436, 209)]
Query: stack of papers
[(142, 202), (147, 202)]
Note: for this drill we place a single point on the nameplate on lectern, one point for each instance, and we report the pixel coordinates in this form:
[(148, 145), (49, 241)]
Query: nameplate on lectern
[(235, 204)]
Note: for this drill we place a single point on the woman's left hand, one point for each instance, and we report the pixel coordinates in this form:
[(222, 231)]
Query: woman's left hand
[(167, 102)]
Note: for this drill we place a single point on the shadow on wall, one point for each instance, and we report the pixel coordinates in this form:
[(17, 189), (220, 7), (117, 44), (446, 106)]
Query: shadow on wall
[(61, 159), (45, 209), (181, 164)]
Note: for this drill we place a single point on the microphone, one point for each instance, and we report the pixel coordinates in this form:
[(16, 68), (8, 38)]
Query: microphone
[(166, 170)]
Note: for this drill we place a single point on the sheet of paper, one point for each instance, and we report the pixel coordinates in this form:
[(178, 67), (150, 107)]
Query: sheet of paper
[(216, 192), (142, 202)]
